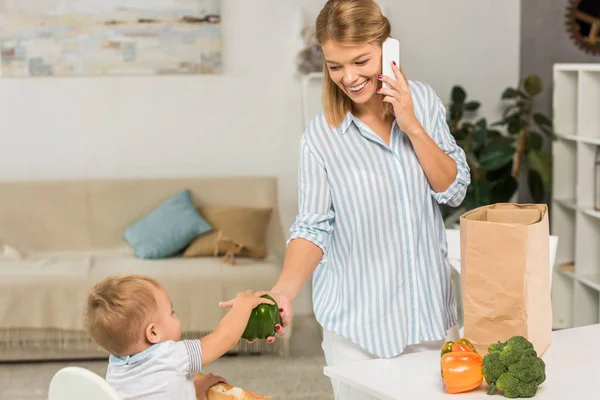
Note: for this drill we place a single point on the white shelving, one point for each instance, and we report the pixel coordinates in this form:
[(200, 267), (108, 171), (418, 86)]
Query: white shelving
[(574, 219), (588, 117)]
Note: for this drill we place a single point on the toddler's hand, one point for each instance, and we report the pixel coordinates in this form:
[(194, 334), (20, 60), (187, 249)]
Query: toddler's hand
[(204, 382), (251, 299)]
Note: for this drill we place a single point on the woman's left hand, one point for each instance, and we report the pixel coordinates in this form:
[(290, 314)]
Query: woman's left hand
[(400, 97), (285, 310)]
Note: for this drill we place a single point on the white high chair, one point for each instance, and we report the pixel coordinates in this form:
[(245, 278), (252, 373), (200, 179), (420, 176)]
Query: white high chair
[(75, 383)]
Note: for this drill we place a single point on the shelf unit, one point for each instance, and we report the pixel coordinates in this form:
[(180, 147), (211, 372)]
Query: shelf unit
[(576, 114)]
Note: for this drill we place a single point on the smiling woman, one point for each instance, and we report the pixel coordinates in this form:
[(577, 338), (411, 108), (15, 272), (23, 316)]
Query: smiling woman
[(354, 63), (353, 82), (374, 166)]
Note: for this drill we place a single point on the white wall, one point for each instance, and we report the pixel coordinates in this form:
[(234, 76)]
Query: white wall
[(247, 120)]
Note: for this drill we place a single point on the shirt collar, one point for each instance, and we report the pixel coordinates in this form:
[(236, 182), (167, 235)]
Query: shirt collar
[(136, 358), (345, 125)]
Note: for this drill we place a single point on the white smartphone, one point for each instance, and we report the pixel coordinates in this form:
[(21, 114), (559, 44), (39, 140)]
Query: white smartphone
[(390, 51)]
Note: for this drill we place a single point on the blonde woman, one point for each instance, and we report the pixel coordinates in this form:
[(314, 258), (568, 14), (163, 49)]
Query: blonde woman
[(374, 167)]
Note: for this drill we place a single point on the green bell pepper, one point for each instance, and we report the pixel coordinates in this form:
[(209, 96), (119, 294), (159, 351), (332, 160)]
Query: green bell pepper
[(262, 321)]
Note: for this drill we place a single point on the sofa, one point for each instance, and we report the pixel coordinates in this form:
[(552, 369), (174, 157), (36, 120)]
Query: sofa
[(57, 238)]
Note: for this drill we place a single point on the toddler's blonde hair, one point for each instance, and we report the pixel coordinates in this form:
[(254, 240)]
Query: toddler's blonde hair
[(118, 308)]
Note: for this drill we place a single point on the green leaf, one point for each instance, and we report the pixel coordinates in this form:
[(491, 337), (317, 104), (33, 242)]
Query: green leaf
[(541, 163), (536, 186), (462, 133), (472, 105), (472, 159), (535, 141), (455, 112), (542, 120), (458, 95), (523, 102), (478, 194), (514, 125), (496, 156), (482, 194), (533, 85), (494, 134), (502, 140), (480, 133), (548, 132), (446, 211), (511, 111), (504, 189), (501, 173), (510, 93)]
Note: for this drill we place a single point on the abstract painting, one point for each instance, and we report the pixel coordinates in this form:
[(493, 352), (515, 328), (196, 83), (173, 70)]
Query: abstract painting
[(109, 37)]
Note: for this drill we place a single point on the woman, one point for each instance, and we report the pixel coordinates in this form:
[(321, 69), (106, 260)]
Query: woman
[(374, 166)]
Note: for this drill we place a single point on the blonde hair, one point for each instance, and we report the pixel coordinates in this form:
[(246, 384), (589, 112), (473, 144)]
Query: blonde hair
[(117, 309), (348, 22)]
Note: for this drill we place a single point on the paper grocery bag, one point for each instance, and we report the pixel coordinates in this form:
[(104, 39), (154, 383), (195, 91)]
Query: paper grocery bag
[(505, 274)]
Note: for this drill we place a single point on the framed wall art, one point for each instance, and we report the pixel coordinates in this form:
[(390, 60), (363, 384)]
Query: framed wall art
[(116, 37)]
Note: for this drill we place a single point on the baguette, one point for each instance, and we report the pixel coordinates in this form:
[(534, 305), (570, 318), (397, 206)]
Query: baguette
[(224, 391)]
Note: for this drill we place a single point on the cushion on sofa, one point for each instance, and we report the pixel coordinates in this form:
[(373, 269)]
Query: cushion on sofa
[(167, 229), (244, 225)]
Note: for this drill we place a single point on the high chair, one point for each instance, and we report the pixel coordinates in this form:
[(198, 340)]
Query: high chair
[(75, 383)]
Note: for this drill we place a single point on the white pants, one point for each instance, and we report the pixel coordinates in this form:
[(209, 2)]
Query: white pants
[(339, 350)]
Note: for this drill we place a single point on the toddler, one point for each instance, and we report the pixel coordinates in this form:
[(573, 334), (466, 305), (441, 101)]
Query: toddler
[(132, 317)]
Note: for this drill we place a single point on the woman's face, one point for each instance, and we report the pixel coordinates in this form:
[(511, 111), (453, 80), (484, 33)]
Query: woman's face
[(354, 68)]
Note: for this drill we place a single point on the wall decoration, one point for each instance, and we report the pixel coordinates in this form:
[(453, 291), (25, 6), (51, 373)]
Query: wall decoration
[(116, 37), (309, 59), (583, 24)]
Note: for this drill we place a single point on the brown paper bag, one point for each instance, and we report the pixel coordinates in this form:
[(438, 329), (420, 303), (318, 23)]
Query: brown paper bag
[(505, 274)]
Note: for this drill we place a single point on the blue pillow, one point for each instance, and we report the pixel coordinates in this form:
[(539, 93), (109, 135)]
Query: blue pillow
[(168, 229)]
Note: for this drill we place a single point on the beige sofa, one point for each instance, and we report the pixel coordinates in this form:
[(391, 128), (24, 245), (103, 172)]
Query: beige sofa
[(59, 237)]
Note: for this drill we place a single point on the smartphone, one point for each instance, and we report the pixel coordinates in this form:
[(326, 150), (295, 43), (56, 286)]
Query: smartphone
[(390, 51)]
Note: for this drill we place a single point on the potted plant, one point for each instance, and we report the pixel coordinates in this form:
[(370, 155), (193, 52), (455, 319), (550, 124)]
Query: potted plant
[(501, 153)]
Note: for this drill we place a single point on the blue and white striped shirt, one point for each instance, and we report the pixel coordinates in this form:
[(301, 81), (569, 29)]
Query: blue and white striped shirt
[(384, 280)]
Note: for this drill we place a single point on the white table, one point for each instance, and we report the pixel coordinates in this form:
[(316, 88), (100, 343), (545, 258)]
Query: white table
[(571, 372)]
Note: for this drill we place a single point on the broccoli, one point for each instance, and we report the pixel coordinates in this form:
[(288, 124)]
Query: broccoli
[(496, 346), (541, 366), (520, 342), (514, 350), (492, 369), (526, 369), (513, 368), (512, 387)]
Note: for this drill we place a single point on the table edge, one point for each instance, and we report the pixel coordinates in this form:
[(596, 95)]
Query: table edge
[(331, 373)]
